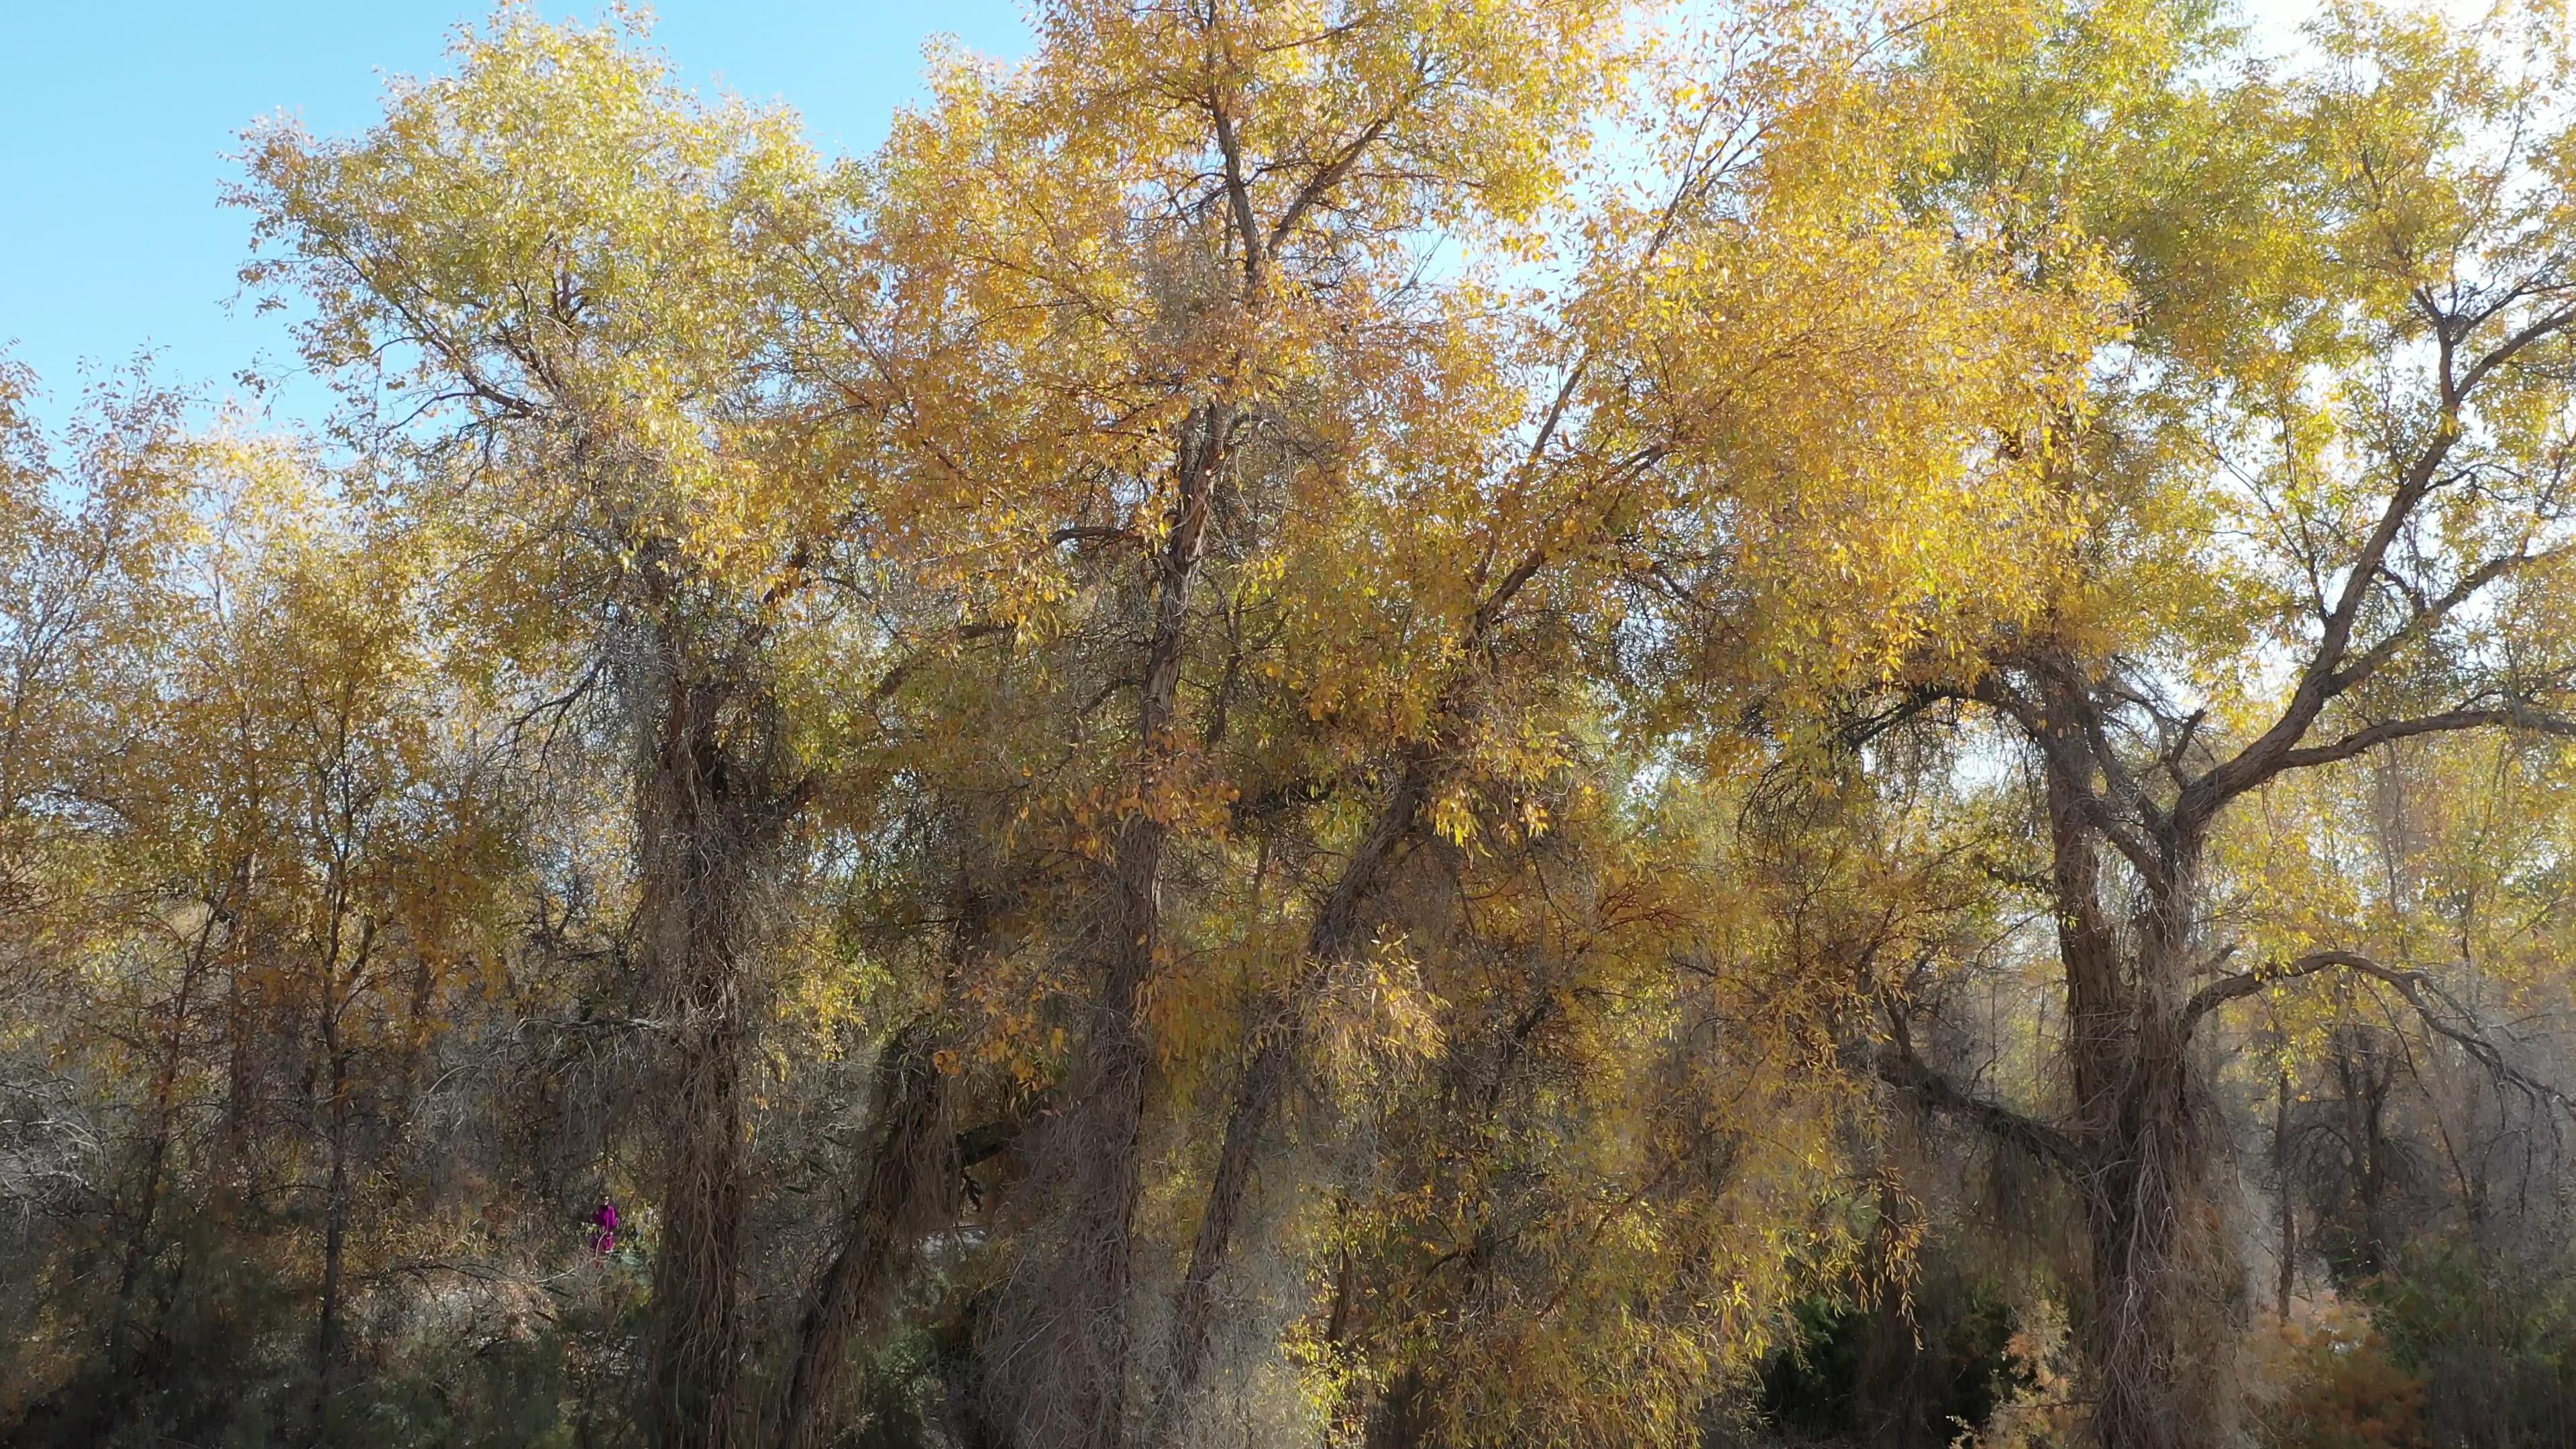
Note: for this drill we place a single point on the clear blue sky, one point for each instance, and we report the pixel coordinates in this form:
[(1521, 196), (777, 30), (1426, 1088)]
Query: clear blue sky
[(116, 117)]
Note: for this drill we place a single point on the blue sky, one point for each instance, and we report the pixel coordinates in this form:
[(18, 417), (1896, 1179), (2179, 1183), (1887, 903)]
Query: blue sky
[(116, 117)]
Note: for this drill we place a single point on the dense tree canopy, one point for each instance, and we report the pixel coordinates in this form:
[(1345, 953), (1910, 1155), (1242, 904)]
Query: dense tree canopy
[(1380, 722)]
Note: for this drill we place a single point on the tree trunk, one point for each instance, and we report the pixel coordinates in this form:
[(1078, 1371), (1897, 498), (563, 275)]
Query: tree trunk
[(1071, 1317), (915, 1160), (1107, 1155), (1334, 937), (696, 1255), (156, 1158), (138, 1242), (1403, 1416), (2289, 1265), (712, 811), (327, 1349), (2159, 1260)]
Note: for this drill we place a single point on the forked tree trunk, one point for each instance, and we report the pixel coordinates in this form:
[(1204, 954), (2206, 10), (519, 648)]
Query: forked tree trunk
[(2159, 1330), (1338, 932)]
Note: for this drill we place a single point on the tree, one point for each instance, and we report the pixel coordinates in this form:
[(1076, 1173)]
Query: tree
[(2333, 440), (551, 286), (1318, 721), (1197, 235)]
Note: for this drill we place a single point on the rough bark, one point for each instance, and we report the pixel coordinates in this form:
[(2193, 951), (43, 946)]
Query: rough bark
[(2159, 1262), (697, 1342), (2287, 1276), (328, 1350), (1068, 1320), (914, 1161), (2150, 1217), (713, 808), (1404, 1416), (2135, 1146)]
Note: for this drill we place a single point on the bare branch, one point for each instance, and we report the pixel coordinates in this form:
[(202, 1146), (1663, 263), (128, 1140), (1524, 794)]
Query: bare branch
[(2429, 616), (2513, 714), (1900, 1067), (2436, 1008), (2246, 983), (2033, 721), (1100, 533), (2505, 351)]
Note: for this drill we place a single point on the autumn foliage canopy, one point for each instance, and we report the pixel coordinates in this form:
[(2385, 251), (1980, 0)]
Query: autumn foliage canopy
[(1355, 722)]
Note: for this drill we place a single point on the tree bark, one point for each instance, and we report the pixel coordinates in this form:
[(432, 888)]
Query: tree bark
[(2136, 1150), (696, 1256), (2159, 1261), (1071, 1317), (1404, 1416), (1336, 934), (2289, 1265), (337, 992), (328, 1352), (915, 1160), (165, 1080), (712, 812)]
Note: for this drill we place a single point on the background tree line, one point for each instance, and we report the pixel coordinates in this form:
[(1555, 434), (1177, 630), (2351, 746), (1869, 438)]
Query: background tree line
[(1381, 722)]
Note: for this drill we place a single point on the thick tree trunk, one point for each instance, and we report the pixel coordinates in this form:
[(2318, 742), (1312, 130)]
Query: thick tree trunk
[(2158, 1328), (1070, 1318), (696, 1254), (1107, 1157), (712, 810), (912, 1180), (1404, 1416)]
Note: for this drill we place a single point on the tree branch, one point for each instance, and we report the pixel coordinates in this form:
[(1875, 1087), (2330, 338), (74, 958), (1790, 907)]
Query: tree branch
[(2428, 616), (2245, 983), (2435, 1007), (2096, 812), (1238, 194), (2513, 714), (1900, 1067), (1326, 179), (2504, 352), (2326, 674)]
